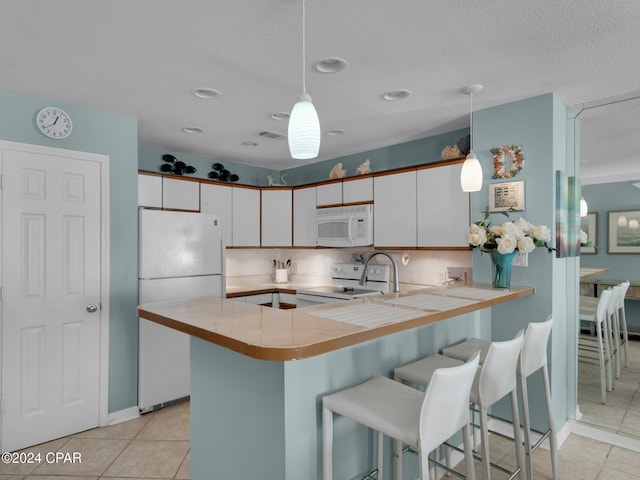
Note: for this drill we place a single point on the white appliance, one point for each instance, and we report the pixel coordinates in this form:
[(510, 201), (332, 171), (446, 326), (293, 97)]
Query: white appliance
[(181, 256), (345, 278), (350, 226)]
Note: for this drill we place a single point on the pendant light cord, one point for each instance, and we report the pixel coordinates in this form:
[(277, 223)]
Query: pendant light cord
[(471, 121), (304, 80)]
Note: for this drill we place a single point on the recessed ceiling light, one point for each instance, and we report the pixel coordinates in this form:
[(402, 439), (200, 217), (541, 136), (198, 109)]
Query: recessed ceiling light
[(206, 93), (335, 132), (280, 115), (331, 65), (192, 130), (394, 95), (249, 144)]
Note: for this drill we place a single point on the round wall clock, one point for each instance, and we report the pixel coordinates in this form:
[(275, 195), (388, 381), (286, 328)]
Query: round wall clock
[(54, 122)]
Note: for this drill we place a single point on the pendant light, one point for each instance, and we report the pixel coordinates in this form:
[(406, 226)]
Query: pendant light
[(304, 126), (471, 174), (584, 208)]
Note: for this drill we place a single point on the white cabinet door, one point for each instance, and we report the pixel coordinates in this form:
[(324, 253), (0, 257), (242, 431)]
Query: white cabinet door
[(276, 218), (217, 199), (360, 190), (149, 191), (245, 218), (304, 213), (180, 194), (443, 208), (260, 299), (394, 210), (329, 194)]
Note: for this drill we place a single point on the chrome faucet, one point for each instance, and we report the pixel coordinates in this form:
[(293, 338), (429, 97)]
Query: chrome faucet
[(396, 283)]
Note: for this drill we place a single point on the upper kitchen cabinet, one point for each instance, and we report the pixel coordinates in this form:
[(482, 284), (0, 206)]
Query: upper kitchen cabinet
[(394, 210), (149, 191), (443, 208), (329, 194), (180, 194), (304, 214), (245, 219), (357, 191), (218, 199), (276, 217), (156, 191)]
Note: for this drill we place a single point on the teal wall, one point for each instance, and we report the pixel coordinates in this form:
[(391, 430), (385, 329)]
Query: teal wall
[(602, 199), (117, 136), (425, 150), (151, 159), (540, 125)]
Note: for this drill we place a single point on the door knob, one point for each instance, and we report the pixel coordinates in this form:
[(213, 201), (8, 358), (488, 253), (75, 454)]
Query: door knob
[(92, 308)]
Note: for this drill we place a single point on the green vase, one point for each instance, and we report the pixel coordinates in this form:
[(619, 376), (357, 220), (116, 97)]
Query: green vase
[(501, 268)]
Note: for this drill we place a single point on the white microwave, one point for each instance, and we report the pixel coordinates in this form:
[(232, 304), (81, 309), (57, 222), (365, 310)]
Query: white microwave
[(350, 226)]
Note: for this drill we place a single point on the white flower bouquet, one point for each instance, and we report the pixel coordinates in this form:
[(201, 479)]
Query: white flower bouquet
[(519, 236)]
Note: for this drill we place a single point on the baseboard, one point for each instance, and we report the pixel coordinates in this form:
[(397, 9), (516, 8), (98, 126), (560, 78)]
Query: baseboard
[(123, 415), (604, 436)]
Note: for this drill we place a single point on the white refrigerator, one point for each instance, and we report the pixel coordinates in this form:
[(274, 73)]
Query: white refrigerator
[(181, 256)]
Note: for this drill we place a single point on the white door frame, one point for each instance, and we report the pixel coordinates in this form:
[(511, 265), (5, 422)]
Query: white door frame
[(103, 161)]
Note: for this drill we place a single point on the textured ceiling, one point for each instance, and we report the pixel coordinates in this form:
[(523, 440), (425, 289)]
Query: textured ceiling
[(145, 58)]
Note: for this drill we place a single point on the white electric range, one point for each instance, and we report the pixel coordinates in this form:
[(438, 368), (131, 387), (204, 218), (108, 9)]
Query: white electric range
[(345, 285)]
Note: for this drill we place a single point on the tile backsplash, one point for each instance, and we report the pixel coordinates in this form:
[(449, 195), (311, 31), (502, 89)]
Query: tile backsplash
[(424, 267)]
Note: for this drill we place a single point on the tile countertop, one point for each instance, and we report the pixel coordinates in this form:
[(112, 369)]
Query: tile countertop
[(280, 335)]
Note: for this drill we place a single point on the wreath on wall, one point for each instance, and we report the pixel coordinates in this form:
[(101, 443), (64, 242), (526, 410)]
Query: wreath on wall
[(516, 155)]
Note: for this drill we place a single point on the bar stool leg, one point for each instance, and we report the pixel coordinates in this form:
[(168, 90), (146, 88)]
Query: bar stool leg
[(527, 427), (553, 436), (397, 454), (380, 455), (327, 444), (468, 452), (517, 433), (484, 443)]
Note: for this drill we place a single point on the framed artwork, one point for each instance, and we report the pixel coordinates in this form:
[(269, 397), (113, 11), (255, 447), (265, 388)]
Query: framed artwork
[(589, 225), (624, 231), (573, 217), (562, 214), (508, 196)]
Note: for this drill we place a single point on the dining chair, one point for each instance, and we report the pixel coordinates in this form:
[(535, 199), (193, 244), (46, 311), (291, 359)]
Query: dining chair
[(622, 321)]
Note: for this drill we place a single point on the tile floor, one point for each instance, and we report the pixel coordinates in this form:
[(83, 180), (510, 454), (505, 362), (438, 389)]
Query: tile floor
[(621, 413), (156, 446)]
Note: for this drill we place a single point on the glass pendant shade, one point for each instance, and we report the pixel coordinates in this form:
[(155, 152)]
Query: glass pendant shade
[(584, 209), (304, 130), (471, 174)]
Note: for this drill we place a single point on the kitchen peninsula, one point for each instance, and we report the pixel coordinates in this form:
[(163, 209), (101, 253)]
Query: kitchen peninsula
[(258, 374)]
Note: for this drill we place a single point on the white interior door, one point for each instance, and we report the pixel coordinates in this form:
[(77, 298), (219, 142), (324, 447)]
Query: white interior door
[(51, 286)]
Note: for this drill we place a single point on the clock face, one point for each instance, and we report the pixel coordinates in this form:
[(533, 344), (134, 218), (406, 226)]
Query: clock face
[(54, 123)]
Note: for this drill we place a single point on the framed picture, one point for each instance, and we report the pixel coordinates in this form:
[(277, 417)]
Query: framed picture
[(589, 225), (508, 196), (624, 231)]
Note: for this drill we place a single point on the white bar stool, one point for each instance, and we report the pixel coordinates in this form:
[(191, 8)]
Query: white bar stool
[(494, 380), (421, 420), (622, 316), (598, 352), (533, 357)]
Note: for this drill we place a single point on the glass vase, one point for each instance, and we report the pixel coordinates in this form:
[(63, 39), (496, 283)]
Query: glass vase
[(501, 268)]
